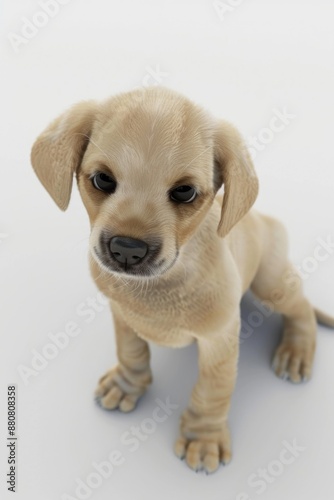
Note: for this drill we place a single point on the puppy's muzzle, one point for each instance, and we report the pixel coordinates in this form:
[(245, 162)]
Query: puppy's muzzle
[(127, 251)]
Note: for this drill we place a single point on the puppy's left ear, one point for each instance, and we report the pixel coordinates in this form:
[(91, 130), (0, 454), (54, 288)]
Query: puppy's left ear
[(234, 169), (58, 151)]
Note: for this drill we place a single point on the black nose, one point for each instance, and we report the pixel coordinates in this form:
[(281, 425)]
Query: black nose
[(128, 251)]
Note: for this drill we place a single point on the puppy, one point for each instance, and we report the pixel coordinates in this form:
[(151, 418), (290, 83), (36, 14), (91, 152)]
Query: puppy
[(173, 257)]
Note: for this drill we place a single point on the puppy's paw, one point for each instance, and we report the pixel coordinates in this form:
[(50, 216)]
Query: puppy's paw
[(293, 361), (204, 451), (121, 389)]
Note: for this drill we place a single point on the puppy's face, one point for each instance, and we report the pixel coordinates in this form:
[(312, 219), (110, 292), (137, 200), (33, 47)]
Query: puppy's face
[(147, 181), (148, 165)]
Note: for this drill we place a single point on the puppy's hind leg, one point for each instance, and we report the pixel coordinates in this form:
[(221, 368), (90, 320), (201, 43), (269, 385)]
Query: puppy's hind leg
[(278, 283)]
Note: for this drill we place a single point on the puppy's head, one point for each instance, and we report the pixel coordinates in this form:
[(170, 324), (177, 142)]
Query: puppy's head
[(148, 165)]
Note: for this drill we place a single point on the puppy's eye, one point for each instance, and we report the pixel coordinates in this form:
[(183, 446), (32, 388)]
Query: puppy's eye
[(183, 194), (104, 182)]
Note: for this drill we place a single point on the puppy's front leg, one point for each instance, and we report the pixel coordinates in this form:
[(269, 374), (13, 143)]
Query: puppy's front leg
[(205, 438), (123, 385)]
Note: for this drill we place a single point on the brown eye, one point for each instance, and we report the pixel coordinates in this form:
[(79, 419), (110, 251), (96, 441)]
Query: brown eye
[(104, 182), (183, 194)]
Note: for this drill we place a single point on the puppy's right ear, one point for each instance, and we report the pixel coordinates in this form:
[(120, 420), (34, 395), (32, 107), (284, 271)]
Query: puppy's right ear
[(58, 151)]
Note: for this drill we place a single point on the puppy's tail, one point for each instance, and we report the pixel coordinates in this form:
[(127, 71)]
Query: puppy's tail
[(323, 318)]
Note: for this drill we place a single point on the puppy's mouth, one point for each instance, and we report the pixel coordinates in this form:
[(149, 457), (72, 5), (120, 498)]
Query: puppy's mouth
[(132, 257)]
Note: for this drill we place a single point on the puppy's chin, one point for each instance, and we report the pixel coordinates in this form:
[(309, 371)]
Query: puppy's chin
[(137, 271)]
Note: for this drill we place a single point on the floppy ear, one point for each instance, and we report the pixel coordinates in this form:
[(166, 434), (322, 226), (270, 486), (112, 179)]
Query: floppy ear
[(58, 151), (234, 169)]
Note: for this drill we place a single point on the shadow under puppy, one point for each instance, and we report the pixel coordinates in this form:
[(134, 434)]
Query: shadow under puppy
[(173, 258)]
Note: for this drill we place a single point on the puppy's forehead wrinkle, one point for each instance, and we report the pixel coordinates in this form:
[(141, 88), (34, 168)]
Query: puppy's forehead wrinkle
[(124, 159), (150, 144), (154, 124)]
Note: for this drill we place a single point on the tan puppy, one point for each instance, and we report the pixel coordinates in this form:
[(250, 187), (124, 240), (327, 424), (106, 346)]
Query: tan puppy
[(173, 258)]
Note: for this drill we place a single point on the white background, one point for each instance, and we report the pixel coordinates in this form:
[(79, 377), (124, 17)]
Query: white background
[(259, 56)]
